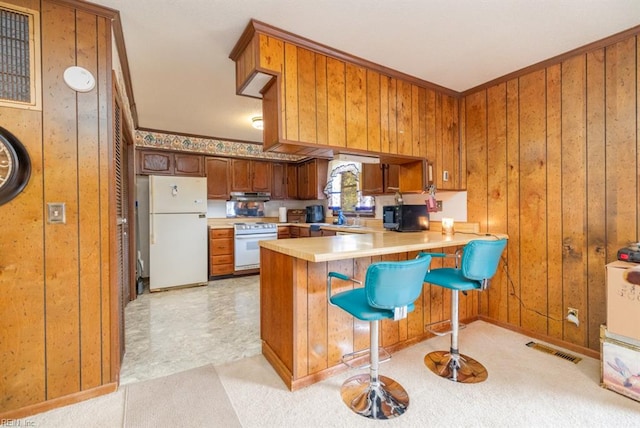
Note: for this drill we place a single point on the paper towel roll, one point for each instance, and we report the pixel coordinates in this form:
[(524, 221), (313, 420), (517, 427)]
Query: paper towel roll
[(282, 214)]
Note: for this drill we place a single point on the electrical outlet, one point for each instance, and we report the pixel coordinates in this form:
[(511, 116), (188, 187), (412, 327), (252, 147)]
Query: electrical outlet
[(438, 205)]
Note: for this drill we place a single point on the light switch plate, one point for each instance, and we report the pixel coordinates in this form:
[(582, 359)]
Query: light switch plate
[(56, 213)]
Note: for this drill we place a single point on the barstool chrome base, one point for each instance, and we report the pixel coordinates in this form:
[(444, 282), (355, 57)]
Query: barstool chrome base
[(385, 400), (455, 367)]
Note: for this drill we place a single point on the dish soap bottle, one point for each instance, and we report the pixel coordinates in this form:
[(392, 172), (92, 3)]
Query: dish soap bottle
[(340, 217)]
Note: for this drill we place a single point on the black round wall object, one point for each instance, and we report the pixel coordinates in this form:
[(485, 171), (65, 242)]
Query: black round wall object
[(15, 166)]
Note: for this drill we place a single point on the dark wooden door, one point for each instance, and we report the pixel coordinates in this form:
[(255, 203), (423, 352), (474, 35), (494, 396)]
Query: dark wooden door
[(217, 178)]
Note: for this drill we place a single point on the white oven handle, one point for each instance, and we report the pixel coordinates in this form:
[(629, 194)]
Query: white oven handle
[(256, 236)]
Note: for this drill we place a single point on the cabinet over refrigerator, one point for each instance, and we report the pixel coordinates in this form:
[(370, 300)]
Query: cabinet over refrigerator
[(177, 231)]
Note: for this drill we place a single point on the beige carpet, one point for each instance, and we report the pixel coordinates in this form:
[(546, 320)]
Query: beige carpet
[(525, 388), (194, 398)]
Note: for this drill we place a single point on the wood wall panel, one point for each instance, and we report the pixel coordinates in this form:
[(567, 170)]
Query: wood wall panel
[(318, 352), (554, 198), (22, 329), (361, 329), (373, 111), (571, 195), (339, 322), (405, 129), (322, 115), (300, 312), (385, 126), (307, 104), (89, 207), (513, 199), (336, 102), (497, 295), (574, 189), (356, 107), (110, 340), (621, 152), (61, 178), (596, 196), (393, 115), (291, 123), (533, 193), (59, 274)]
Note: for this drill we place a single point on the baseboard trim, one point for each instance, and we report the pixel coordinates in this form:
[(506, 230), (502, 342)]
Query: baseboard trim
[(54, 403), (552, 340)]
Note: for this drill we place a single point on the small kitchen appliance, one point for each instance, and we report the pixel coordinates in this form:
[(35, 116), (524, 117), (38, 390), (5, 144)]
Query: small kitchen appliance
[(405, 218), (315, 214)]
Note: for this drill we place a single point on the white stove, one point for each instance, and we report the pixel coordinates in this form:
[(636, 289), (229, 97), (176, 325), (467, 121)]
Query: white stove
[(254, 228), (246, 243)]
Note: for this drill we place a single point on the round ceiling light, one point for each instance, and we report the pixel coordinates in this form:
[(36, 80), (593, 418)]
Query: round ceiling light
[(257, 122)]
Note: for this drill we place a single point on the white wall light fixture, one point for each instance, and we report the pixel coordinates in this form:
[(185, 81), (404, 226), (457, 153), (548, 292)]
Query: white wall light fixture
[(257, 122), (79, 79)]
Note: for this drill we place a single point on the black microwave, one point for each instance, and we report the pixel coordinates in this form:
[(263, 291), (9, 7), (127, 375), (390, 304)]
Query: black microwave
[(405, 218)]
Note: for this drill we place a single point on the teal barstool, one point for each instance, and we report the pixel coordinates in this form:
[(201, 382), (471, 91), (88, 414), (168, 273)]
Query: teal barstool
[(390, 288), (478, 264)]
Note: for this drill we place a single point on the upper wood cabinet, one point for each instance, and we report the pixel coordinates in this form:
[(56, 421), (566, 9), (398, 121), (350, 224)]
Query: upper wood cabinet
[(292, 181), (378, 179), (279, 180), (152, 162), (250, 176), (326, 101), (312, 179), (217, 178)]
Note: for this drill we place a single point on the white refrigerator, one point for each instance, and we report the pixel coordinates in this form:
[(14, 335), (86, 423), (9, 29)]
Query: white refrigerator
[(177, 231)]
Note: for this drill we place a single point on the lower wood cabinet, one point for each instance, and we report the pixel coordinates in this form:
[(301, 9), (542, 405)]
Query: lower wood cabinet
[(220, 252), (284, 232)]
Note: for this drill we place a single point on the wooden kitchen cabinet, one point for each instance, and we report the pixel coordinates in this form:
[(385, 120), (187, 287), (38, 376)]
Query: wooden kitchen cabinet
[(294, 231), (279, 181), (379, 179), (154, 162), (312, 179), (220, 252), (250, 176), (217, 178), (292, 181), (284, 232), (322, 103)]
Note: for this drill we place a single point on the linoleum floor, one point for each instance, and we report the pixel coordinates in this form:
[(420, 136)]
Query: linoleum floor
[(172, 331)]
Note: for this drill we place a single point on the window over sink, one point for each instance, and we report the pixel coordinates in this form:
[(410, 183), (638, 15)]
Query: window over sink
[(344, 191)]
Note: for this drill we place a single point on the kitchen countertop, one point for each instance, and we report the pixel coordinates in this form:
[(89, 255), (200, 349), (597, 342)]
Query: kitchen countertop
[(328, 248)]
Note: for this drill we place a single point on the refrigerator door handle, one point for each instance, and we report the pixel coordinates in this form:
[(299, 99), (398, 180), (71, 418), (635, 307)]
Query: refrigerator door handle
[(152, 228)]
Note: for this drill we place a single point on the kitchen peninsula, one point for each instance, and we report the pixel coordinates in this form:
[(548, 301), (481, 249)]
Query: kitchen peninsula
[(303, 337)]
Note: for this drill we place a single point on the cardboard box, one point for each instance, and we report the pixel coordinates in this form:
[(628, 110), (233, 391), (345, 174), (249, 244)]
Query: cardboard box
[(623, 301), (620, 365)]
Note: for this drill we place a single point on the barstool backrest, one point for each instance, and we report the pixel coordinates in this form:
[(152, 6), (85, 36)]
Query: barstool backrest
[(390, 285), (480, 259)]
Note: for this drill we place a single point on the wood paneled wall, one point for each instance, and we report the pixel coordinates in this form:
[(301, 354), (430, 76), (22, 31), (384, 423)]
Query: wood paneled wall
[(55, 324), (325, 101), (552, 159)]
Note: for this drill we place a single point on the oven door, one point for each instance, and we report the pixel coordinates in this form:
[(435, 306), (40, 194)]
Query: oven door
[(247, 250)]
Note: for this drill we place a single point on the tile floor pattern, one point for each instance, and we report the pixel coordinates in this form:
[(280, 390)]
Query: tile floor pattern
[(172, 331)]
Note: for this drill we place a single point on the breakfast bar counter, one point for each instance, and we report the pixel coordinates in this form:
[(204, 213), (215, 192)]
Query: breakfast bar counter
[(304, 338)]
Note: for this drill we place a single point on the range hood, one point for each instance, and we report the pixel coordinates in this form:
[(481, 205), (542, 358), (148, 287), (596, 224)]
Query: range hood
[(250, 196)]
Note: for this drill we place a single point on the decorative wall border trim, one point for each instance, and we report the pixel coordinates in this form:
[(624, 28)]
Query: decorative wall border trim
[(158, 140)]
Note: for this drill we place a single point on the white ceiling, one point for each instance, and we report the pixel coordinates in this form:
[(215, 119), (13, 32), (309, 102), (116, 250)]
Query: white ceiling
[(183, 79)]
